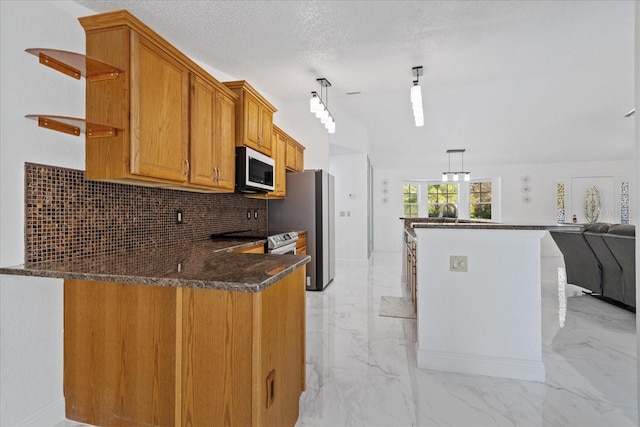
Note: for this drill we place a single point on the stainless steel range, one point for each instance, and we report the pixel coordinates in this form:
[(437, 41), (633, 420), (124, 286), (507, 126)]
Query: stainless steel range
[(278, 243), (284, 243)]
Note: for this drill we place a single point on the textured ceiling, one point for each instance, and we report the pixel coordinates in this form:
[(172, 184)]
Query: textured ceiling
[(510, 81)]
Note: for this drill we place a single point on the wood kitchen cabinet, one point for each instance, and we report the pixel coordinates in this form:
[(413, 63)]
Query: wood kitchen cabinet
[(255, 249), (279, 140), (295, 156), (254, 118), (301, 243), (412, 269), (212, 137), (174, 356), (279, 153), (150, 101)]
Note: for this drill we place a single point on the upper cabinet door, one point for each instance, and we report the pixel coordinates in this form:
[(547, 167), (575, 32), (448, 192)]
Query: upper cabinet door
[(203, 114), (212, 137), (254, 118), (159, 113), (266, 126), (225, 142), (253, 131)]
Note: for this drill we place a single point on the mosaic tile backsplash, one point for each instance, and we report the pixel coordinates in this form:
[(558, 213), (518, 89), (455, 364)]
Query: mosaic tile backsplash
[(67, 216)]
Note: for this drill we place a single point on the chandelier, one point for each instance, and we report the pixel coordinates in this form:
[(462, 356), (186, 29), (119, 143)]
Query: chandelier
[(455, 176), (320, 108)]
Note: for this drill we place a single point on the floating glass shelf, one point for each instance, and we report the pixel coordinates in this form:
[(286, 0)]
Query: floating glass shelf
[(74, 126)]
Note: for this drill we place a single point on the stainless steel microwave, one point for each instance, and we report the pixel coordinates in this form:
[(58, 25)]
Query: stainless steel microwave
[(254, 171)]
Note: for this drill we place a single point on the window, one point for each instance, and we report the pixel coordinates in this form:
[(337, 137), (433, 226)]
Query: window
[(480, 200), (410, 200), (441, 194)]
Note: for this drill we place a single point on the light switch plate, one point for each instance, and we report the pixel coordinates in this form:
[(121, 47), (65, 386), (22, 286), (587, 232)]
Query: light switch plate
[(458, 263)]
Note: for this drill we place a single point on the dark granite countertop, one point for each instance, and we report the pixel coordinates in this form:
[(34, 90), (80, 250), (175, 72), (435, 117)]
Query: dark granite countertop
[(410, 224), (206, 264)]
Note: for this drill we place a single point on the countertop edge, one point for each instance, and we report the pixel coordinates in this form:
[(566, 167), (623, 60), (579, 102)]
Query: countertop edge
[(521, 227), (21, 270), (34, 270)]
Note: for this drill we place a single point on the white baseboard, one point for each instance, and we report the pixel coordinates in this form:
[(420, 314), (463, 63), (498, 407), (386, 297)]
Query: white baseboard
[(519, 369), (48, 416)]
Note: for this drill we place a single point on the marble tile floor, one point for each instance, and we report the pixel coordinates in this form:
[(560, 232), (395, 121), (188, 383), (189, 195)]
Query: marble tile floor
[(361, 367)]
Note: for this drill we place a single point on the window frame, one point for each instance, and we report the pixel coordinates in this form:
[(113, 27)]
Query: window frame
[(481, 184), (447, 196), (464, 194), (417, 202)]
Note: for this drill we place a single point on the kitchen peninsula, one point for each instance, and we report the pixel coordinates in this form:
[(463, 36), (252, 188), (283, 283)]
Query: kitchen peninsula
[(182, 334), (479, 297)]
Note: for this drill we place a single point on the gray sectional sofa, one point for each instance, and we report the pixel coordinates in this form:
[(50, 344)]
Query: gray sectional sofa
[(601, 258)]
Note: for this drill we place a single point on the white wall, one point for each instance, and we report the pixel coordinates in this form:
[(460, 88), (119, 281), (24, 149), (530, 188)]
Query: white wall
[(540, 210), (637, 174), (350, 172), (349, 168), (31, 308)]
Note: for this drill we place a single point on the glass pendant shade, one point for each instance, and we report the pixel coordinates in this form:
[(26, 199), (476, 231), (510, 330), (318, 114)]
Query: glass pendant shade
[(332, 126), (445, 177), (416, 103), (416, 95), (314, 104)]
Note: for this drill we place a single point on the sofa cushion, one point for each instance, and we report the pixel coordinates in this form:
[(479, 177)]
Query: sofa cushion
[(597, 227), (623, 230)]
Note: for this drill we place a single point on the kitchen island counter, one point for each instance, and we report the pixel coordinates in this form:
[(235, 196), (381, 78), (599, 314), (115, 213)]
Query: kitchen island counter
[(204, 264), (478, 296), (182, 334)]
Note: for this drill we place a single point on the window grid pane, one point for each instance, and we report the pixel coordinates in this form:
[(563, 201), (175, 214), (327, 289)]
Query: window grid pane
[(480, 200), (439, 195), (410, 200)]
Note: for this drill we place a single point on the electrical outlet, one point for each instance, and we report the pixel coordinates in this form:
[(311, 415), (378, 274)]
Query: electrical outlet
[(458, 263), (248, 213), (255, 214), (179, 217)]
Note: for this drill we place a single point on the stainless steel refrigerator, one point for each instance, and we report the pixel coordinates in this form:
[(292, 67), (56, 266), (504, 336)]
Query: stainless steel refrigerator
[(309, 205)]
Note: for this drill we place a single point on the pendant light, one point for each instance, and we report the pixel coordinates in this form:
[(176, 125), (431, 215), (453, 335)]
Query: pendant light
[(320, 108), (416, 97), (455, 176)]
